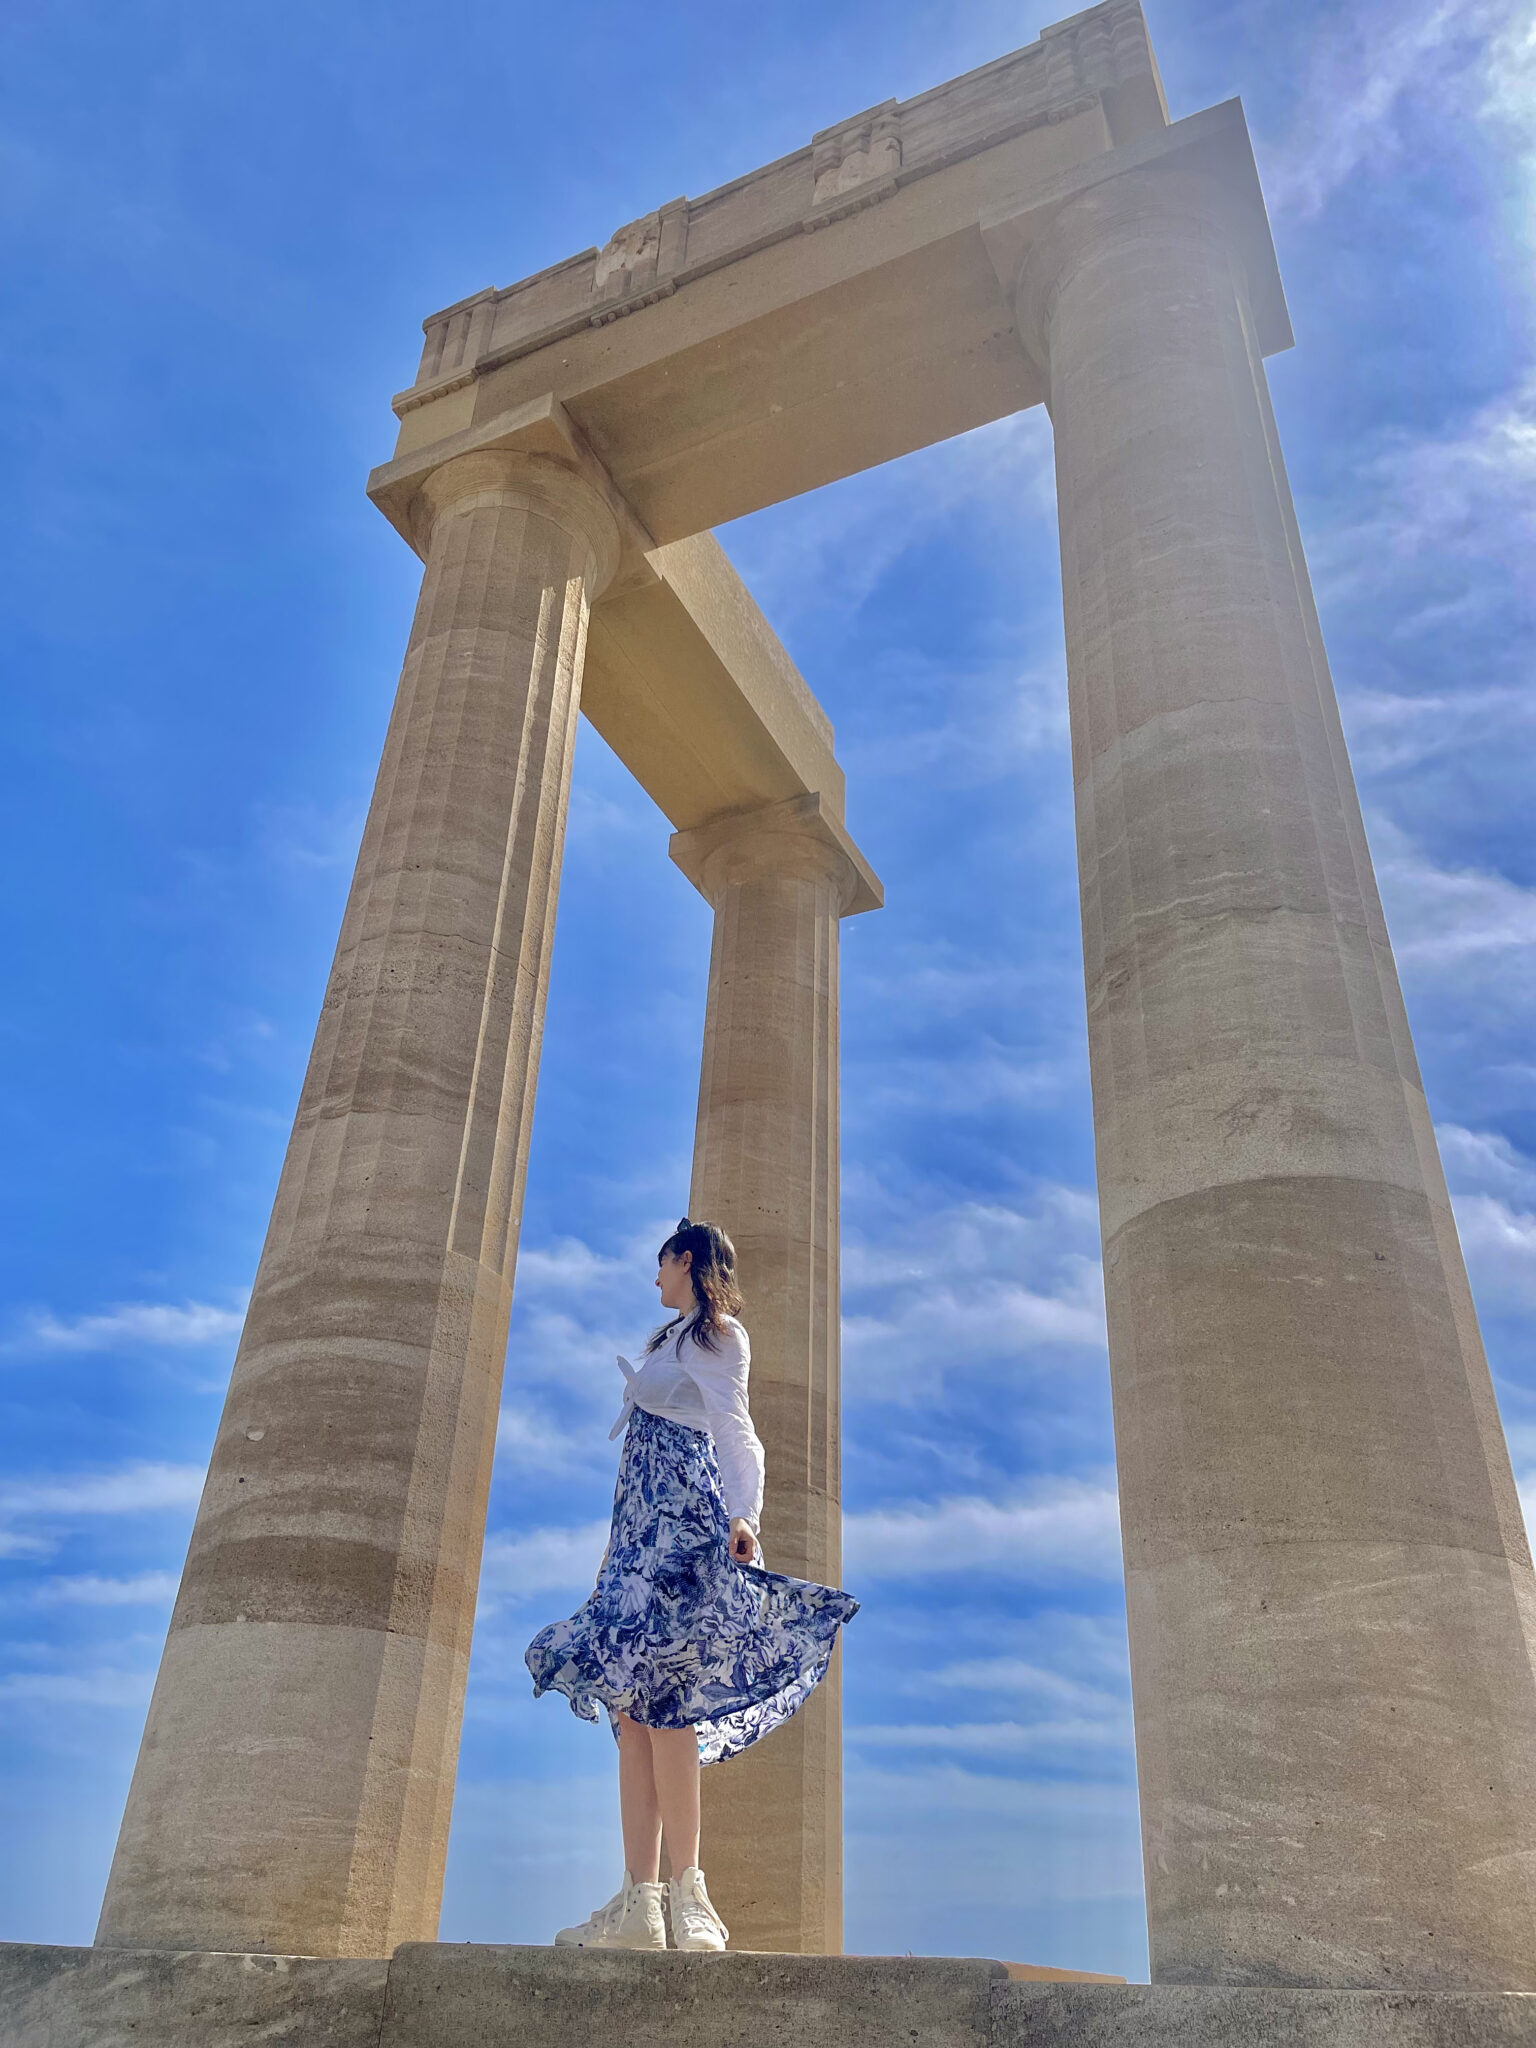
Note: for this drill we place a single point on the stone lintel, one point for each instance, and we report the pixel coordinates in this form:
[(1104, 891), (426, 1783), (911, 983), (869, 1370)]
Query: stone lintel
[(684, 679), (1215, 146), (826, 313), (1100, 54), (802, 817), (449, 1995)]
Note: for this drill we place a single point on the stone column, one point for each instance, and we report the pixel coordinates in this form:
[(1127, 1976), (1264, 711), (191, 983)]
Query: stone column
[(1329, 1588), (765, 1166), (294, 1785)]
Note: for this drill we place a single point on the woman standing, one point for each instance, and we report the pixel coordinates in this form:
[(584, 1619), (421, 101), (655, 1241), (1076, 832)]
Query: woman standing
[(694, 1649)]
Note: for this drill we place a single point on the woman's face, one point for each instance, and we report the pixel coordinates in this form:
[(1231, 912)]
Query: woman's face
[(674, 1276)]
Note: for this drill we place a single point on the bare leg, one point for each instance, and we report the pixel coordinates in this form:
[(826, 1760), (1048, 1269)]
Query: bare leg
[(675, 1774), (638, 1807)]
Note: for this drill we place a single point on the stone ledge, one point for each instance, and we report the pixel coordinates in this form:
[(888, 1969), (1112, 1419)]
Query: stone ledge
[(444, 1995), (1197, 2016), (162, 1998)]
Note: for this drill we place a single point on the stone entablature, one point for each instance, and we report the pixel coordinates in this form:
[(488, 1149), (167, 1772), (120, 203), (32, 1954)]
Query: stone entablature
[(1099, 57)]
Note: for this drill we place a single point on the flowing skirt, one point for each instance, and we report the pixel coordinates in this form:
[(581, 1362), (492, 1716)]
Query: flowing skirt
[(676, 1634)]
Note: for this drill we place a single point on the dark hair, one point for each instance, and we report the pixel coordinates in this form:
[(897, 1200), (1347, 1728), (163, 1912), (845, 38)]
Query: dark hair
[(713, 1272)]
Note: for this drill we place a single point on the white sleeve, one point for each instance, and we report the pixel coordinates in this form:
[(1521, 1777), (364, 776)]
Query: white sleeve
[(721, 1378)]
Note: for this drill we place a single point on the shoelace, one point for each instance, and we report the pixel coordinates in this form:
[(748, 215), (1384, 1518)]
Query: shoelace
[(694, 1907), (606, 1916)]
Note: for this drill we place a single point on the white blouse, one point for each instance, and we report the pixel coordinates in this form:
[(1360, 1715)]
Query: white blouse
[(686, 1382)]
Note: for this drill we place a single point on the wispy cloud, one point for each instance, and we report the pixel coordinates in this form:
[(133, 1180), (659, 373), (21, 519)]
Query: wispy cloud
[(823, 556), (129, 1490), (1061, 1529), (541, 1561), (87, 1589), (1373, 71), (995, 1738), (525, 1437), (77, 1689), (1452, 508), (1499, 1243), (1444, 916), (1394, 733), (946, 1290), (129, 1323)]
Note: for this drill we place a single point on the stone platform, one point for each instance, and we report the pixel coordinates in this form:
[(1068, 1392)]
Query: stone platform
[(441, 1995)]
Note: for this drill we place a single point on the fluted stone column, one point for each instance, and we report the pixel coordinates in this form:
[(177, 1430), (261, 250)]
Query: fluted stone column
[(1330, 1594), (765, 1166), (294, 1785)]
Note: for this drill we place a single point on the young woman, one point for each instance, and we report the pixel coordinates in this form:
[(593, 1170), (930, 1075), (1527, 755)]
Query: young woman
[(694, 1649)]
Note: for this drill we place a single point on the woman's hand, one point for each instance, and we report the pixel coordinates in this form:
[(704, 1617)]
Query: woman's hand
[(743, 1542)]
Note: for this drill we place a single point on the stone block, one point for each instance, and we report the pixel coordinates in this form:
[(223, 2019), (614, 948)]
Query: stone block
[(442, 1995), (1197, 2016), (127, 1998)]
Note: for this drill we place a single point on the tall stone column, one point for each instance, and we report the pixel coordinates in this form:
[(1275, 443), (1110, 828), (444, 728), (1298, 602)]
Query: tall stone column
[(294, 1785), (765, 1166), (1330, 1595)]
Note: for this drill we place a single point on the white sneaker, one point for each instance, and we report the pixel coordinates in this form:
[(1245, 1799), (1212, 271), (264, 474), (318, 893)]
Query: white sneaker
[(632, 1918), (695, 1923), (597, 1926)]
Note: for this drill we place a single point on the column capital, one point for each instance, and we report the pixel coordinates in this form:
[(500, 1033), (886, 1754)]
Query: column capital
[(1200, 169), (533, 453), (799, 836)]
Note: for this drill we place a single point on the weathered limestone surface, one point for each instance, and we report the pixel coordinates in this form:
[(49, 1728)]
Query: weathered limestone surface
[(294, 1785), (126, 1998), (1331, 1597), (442, 1995), (766, 1168), (447, 1996), (1200, 2016)]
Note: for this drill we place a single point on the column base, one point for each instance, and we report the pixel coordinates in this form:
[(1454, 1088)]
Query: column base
[(447, 1995)]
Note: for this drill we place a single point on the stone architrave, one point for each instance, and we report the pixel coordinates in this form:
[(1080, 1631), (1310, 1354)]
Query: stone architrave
[(765, 1166), (1330, 1592), (296, 1776)]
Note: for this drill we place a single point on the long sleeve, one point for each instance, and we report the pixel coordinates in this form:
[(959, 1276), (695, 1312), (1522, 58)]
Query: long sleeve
[(721, 1378)]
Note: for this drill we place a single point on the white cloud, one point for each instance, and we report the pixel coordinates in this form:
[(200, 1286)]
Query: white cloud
[(995, 1738), (1392, 733), (993, 719), (1064, 1528), (1017, 1675), (1458, 502), (135, 1322), (527, 1439), (1499, 1244), (1442, 917), (947, 1291), (145, 1589), (1480, 1162), (79, 1689), (131, 1489), (1371, 69), (541, 1561)]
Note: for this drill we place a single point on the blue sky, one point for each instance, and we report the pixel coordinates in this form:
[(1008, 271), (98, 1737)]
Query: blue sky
[(222, 228)]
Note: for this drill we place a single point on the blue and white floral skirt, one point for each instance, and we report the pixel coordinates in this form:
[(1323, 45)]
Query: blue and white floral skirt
[(676, 1634)]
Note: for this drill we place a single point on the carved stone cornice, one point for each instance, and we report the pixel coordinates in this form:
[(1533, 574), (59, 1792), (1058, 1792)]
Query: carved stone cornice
[(1101, 57)]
